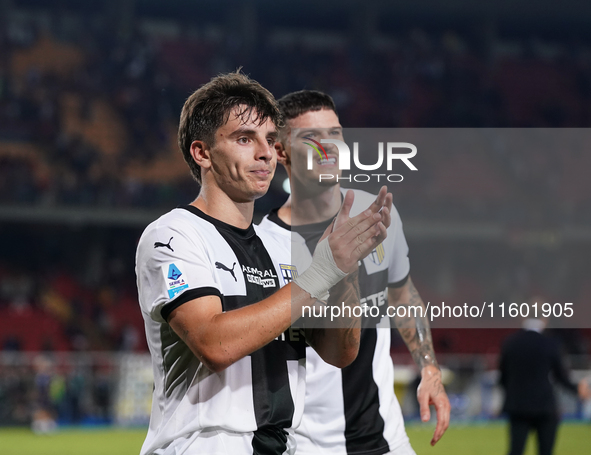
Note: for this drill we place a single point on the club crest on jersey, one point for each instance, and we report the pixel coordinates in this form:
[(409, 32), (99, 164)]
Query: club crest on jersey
[(175, 283), (289, 272), (377, 255)]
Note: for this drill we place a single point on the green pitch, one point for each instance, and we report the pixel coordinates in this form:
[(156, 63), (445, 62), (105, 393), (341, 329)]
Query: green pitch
[(459, 440), (493, 439)]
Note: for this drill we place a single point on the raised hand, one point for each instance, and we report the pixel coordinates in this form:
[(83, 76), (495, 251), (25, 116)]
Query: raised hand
[(352, 239)]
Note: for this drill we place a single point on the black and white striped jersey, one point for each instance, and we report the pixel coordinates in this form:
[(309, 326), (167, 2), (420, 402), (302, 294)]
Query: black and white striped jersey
[(252, 406), (353, 410)]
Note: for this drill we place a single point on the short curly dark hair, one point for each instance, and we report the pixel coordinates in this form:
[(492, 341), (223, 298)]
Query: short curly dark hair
[(295, 104), (209, 107)]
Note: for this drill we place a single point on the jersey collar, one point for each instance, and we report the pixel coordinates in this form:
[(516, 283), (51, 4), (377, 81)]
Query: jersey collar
[(243, 233)]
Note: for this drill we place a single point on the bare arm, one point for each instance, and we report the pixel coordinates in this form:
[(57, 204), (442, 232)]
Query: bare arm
[(416, 333), (218, 339)]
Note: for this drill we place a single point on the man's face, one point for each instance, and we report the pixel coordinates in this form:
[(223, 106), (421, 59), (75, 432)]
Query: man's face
[(316, 125), (243, 157)]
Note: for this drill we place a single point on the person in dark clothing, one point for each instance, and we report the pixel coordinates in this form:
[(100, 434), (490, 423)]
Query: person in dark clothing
[(528, 358)]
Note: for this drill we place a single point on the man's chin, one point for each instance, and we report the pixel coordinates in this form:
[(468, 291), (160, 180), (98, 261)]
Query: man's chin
[(327, 183), (328, 178), (260, 190)]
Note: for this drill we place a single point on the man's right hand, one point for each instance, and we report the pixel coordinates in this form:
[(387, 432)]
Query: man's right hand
[(352, 239)]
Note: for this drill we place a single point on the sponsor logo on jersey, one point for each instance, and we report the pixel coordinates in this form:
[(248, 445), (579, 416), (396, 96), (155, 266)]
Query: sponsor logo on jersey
[(219, 265), (174, 283), (165, 245), (289, 272), (378, 254), (292, 334), (265, 278), (378, 299)]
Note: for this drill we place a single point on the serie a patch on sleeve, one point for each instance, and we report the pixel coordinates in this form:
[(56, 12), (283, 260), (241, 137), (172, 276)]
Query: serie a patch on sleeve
[(174, 277)]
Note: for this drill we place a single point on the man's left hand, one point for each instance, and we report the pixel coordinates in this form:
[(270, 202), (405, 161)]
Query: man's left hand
[(431, 392)]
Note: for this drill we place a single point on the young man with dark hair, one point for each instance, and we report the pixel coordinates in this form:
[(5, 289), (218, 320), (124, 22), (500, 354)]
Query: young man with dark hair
[(353, 410), (228, 369)]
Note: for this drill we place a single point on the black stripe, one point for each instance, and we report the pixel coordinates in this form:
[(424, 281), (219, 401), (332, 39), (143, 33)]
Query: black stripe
[(269, 441), (186, 296), (273, 404), (400, 283), (312, 233), (364, 426)]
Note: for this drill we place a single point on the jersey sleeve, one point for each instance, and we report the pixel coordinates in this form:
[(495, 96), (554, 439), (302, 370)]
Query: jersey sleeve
[(399, 266), (172, 268)]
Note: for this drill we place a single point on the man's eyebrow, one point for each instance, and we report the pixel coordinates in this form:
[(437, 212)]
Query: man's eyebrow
[(242, 130), (304, 131), (245, 130)]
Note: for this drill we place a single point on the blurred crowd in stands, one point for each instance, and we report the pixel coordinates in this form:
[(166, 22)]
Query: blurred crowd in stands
[(77, 295), (40, 389), (90, 119)]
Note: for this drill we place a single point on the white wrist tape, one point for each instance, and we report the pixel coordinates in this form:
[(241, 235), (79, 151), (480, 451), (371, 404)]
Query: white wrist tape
[(322, 274)]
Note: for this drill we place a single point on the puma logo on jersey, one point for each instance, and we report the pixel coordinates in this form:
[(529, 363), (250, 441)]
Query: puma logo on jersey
[(219, 265), (167, 245)]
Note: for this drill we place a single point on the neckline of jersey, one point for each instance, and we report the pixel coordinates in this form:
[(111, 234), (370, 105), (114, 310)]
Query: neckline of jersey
[(274, 217), (302, 228), (243, 233), (312, 228)]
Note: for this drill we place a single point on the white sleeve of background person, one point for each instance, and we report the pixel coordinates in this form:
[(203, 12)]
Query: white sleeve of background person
[(399, 265), (166, 272)]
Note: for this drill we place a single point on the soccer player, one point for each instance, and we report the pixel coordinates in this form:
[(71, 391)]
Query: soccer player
[(228, 370), (353, 410)]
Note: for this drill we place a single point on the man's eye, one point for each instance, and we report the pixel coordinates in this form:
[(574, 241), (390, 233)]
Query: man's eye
[(243, 140), (335, 133)]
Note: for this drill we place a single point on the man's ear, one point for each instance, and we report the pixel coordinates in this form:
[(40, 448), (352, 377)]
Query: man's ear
[(282, 155), (201, 153)]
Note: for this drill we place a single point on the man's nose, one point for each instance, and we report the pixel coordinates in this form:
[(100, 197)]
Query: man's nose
[(330, 148), (265, 151)]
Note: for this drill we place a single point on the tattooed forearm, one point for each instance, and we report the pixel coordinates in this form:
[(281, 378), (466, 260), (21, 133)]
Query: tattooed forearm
[(414, 327), (433, 383)]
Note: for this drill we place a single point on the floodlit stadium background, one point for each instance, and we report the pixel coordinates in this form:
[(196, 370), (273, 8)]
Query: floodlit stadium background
[(90, 94)]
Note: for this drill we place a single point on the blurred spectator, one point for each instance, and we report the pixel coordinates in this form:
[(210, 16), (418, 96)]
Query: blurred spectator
[(528, 358), (44, 411)]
